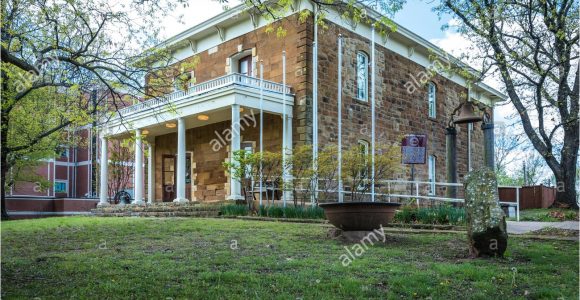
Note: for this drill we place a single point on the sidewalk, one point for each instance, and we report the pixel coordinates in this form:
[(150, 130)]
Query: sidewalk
[(525, 227)]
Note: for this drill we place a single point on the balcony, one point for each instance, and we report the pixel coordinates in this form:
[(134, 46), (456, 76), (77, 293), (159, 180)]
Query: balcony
[(209, 96), (229, 80)]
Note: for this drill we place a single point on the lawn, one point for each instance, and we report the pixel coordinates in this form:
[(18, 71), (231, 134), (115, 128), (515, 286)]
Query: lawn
[(84, 257), (548, 215)]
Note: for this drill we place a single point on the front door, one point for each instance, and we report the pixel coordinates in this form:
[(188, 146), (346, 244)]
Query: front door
[(169, 174)]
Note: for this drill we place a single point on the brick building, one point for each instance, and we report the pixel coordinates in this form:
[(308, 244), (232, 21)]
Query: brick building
[(184, 137), (70, 179)]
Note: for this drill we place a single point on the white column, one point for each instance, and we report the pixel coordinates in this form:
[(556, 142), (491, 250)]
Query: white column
[(138, 175), (104, 166), (287, 154), (235, 185), (151, 174), (180, 180)]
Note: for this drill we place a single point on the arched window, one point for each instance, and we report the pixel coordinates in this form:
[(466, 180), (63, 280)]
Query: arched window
[(362, 76), (432, 99)]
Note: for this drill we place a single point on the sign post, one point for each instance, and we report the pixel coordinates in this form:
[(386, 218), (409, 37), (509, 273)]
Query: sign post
[(414, 151)]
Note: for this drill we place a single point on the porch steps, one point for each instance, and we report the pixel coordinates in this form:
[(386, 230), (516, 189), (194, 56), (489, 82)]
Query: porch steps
[(158, 210)]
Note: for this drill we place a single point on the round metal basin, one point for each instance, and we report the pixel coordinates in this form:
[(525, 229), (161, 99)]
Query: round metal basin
[(359, 216)]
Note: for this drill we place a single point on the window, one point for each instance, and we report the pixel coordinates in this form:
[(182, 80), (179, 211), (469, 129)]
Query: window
[(60, 187), (63, 151), (432, 92), (432, 161), (245, 65), (362, 75)]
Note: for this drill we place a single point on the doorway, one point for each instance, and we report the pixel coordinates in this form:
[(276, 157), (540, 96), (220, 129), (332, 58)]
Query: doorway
[(169, 175)]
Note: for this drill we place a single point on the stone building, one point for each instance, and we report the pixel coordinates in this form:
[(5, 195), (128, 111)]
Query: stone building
[(188, 134)]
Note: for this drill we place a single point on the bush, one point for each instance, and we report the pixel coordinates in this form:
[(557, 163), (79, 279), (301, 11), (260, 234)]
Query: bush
[(441, 215), (234, 210), (291, 212)]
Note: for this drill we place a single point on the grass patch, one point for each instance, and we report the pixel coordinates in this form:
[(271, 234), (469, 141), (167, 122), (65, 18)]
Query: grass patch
[(548, 215), (155, 258), (440, 215)]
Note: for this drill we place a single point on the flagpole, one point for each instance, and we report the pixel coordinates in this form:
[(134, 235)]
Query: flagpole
[(373, 113), (261, 125), (284, 131), (315, 107), (339, 97)]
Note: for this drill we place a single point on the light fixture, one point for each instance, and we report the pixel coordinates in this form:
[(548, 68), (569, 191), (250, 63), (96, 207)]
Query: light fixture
[(241, 109), (203, 117), (170, 125), (144, 132)]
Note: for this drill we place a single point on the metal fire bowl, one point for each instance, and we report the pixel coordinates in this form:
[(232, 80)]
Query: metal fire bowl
[(359, 216)]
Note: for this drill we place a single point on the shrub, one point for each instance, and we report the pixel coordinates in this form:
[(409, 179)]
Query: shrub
[(441, 215), (291, 212), (234, 210)]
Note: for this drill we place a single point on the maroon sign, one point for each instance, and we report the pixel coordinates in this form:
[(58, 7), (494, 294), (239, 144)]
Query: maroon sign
[(414, 148)]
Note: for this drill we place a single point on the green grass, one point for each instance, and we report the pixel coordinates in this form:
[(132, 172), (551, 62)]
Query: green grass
[(442, 215), (97, 258), (548, 215)]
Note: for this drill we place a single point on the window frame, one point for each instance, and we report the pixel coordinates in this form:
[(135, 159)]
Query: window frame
[(60, 182), (248, 61), (432, 173), (432, 100), (366, 76)]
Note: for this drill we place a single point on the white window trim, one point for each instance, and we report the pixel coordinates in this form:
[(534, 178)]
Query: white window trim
[(432, 108), (432, 169), (234, 60), (366, 86)]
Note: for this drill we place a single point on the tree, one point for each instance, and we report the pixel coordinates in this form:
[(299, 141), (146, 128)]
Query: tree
[(506, 142), (55, 54), (533, 46), (120, 173)]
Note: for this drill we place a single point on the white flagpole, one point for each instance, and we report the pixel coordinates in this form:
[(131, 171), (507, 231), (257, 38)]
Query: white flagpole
[(315, 106), (340, 196), (261, 125), (373, 113), (284, 131)]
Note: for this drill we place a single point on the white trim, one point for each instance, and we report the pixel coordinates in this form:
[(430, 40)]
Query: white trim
[(44, 198)]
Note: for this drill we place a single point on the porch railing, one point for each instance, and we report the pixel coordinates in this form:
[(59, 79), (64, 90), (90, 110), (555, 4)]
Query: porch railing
[(204, 87)]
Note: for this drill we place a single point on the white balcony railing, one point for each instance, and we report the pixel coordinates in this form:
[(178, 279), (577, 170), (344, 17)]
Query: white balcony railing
[(204, 87)]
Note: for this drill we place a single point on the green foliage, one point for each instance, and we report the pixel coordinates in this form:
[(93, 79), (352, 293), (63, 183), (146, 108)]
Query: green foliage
[(292, 212), (440, 215), (234, 210)]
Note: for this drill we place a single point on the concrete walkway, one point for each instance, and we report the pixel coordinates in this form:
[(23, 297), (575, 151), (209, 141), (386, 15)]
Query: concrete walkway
[(525, 227)]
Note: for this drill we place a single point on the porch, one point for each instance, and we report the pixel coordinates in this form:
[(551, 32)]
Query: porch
[(186, 136)]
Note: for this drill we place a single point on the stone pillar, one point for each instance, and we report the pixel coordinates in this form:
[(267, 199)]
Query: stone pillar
[(451, 160), (138, 184), (104, 168), (488, 144), (486, 225), (235, 185), (151, 174), (180, 178)]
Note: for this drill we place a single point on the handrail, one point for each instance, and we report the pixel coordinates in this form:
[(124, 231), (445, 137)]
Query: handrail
[(204, 87)]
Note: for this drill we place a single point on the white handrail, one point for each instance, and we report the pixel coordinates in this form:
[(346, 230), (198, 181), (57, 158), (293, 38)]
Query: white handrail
[(213, 84)]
